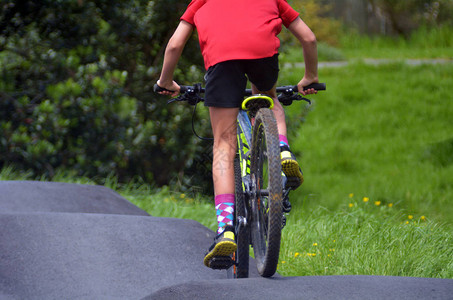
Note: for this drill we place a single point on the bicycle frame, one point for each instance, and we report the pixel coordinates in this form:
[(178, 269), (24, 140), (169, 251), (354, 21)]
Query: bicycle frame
[(244, 135)]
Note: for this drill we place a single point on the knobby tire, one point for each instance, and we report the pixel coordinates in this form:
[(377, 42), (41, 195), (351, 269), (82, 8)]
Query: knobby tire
[(266, 206)]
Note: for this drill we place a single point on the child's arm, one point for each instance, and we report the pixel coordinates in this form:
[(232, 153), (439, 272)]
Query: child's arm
[(172, 54), (308, 42)]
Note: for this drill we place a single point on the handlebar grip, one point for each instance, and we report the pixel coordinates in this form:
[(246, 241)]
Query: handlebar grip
[(316, 86), (293, 88), (158, 89)]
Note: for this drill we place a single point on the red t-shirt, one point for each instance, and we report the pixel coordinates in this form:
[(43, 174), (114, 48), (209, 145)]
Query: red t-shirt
[(238, 29)]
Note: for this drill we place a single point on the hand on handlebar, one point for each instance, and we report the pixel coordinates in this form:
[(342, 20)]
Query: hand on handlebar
[(305, 82), (173, 89)]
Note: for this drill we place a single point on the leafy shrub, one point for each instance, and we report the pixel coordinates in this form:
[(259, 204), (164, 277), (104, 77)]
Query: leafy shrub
[(76, 89), (314, 14)]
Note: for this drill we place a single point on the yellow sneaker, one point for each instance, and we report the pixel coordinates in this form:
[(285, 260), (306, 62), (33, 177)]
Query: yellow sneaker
[(219, 254), (291, 168)]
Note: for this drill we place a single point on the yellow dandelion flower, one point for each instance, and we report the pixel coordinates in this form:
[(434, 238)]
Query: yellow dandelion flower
[(351, 204), (366, 199), (410, 217), (390, 205), (377, 203), (283, 262), (423, 218), (351, 195), (182, 196), (407, 222), (296, 254), (315, 244), (313, 254)]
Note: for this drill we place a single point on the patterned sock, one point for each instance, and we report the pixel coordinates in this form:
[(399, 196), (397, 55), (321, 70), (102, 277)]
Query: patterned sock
[(224, 205), (283, 140)]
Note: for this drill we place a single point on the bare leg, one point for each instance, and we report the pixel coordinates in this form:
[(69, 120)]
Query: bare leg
[(278, 110), (224, 128)]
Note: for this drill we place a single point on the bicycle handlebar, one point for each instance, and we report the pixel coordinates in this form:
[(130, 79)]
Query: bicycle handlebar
[(286, 96), (183, 89), (280, 89), (293, 88)]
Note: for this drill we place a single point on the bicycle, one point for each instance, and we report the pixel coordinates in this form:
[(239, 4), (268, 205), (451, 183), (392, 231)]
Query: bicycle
[(261, 188)]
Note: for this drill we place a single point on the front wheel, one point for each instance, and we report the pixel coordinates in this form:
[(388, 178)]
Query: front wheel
[(266, 204)]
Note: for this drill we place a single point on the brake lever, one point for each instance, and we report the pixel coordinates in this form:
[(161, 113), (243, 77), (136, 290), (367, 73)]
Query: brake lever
[(191, 98), (299, 97), (287, 99), (179, 98)]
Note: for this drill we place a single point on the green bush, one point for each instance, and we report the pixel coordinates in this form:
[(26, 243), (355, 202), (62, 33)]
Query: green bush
[(76, 89)]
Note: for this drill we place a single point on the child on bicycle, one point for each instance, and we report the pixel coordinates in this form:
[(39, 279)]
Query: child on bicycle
[(238, 41)]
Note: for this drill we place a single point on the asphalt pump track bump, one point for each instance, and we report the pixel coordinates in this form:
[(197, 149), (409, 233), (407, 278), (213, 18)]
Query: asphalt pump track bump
[(312, 287), (37, 196), (98, 256), (70, 241)]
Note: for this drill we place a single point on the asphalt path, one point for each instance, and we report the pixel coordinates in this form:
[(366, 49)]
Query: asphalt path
[(35, 196), (70, 241), (374, 62)]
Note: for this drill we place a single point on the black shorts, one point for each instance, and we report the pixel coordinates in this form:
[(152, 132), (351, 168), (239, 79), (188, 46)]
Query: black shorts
[(226, 81)]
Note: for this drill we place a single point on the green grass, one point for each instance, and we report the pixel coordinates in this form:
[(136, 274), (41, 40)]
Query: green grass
[(167, 203), (423, 43), (365, 240), (325, 53), (383, 133)]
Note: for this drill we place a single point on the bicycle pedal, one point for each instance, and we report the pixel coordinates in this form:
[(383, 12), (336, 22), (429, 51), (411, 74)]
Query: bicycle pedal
[(286, 206), (293, 182), (283, 221), (221, 262)]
